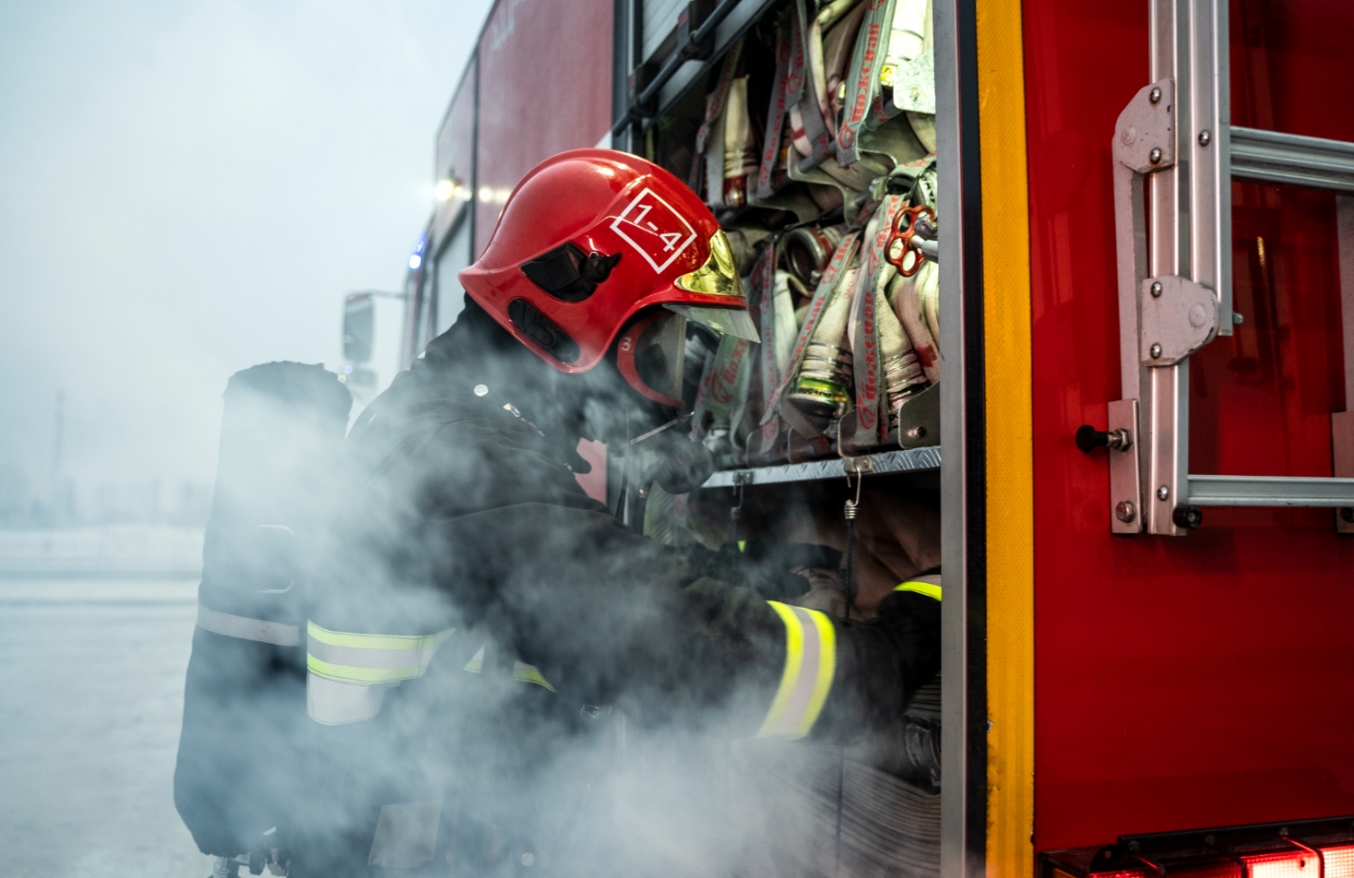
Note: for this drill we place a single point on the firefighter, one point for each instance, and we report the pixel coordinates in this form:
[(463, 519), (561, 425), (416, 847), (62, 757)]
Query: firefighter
[(465, 551)]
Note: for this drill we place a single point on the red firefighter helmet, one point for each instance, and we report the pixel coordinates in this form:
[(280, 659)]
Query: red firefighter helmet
[(587, 241)]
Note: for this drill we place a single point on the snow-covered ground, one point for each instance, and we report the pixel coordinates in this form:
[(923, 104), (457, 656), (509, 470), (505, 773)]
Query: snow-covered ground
[(91, 691), (107, 550)]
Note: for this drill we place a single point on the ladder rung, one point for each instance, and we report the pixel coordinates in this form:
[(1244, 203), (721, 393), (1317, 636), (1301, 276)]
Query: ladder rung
[(1270, 491), (1292, 160)]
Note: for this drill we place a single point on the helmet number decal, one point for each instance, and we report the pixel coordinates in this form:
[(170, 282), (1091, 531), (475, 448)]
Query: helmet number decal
[(655, 229)]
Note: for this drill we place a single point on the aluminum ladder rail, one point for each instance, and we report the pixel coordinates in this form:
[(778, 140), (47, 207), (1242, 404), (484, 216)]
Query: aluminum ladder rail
[(1174, 273)]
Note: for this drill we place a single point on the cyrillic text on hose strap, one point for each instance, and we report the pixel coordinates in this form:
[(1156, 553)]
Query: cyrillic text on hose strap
[(245, 628), (810, 661)]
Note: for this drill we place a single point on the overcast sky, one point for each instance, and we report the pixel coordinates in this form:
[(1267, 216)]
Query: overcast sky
[(187, 188)]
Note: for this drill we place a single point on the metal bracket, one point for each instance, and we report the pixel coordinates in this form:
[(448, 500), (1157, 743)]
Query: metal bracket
[(1144, 143), (1179, 316), (857, 466), (1144, 135), (1126, 514)]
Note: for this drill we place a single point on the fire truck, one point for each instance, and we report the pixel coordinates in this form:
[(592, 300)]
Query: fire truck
[(1093, 272)]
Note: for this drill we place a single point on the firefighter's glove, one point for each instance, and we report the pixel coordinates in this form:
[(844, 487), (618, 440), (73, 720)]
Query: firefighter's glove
[(674, 462), (882, 663), (751, 566)]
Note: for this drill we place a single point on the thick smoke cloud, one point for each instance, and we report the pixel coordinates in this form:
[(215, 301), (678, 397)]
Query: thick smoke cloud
[(447, 513)]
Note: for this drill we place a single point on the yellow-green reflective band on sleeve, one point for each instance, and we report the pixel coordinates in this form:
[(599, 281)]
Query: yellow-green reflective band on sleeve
[(921, 587), (810, 661), (525, 673), (370, 658), (521, 671)]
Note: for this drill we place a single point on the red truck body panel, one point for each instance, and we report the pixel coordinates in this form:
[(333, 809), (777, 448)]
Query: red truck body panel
[(1201, 680), (545, 86)]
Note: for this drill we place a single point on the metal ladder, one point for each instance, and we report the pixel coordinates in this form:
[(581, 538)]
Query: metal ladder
[(1174, 274)]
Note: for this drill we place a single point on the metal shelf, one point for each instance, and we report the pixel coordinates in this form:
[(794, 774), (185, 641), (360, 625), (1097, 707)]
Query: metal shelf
[(912, 460)]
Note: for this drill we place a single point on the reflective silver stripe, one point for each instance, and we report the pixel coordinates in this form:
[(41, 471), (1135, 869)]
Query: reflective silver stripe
[(362, 657), (810, 662), (406, 835), (245, 628), (335, 702)]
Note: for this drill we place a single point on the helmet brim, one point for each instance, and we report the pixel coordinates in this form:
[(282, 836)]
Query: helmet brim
[(726, 321)]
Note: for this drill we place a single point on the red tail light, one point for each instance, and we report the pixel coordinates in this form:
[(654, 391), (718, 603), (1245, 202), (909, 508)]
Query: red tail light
[(1300, 849), (1287, 864), (1337, 860), (1318, 861)]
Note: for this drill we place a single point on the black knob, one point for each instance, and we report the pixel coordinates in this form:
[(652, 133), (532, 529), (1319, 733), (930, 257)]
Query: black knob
[(1188, 517), (1089, 439)]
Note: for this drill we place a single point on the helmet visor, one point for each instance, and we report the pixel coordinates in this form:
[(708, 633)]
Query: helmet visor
[(726, 321), (650, 355)]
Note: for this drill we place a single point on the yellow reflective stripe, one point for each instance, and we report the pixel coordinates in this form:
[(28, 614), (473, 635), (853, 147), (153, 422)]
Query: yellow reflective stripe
[(794, 654), (810, 662), (376, 641), (930, 590), (476, 663), (525, 673), (350, 674), (370, 658)]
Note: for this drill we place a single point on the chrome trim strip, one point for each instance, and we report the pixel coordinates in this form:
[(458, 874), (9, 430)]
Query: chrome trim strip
[(963, 804)]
